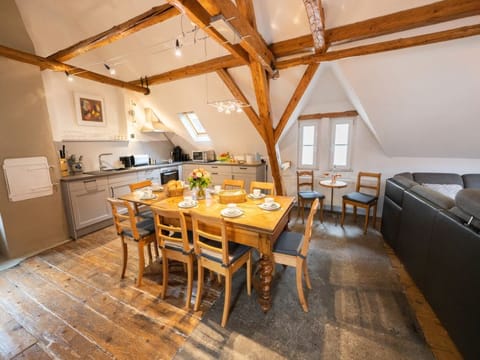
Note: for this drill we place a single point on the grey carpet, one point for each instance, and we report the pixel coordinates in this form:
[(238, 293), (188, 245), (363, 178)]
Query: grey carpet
[(357, 309)]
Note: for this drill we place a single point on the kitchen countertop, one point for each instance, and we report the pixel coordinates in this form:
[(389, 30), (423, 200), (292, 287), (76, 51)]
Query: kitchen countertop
[(89, 175), (222, 163)]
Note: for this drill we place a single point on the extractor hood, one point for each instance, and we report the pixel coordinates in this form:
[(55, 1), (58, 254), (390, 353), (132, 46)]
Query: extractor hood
[(153, 123)]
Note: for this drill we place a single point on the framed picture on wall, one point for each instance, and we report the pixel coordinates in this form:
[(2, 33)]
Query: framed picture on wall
[(90, 110)]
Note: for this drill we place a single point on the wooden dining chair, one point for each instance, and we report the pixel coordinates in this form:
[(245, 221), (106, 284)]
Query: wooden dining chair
[(267, 188), (366, 181), (216, 253), (291, 249), (306, 192), (141, 210), (233, 184), (176, 243), (140, 230)]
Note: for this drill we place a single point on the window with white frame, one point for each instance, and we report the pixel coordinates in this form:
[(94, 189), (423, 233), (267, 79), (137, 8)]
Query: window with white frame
[(194, 126), (341, 143), (307, 152)]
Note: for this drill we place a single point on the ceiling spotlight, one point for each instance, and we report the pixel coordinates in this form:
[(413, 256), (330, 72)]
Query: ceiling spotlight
[(69, 77), (110, 69), (178, 49)]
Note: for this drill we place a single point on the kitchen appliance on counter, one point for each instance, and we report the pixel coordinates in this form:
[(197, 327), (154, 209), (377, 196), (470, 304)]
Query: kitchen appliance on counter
[(127, 161), (141, 160), (203, 156)]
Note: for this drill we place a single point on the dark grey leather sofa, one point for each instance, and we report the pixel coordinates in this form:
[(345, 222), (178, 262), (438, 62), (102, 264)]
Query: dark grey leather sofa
[(437, 238)]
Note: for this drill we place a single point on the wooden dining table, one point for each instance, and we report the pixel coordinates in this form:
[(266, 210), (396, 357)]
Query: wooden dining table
[(256, 227)]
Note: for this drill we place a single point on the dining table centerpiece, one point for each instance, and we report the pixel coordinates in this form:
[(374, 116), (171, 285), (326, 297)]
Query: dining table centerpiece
[(199, 179)]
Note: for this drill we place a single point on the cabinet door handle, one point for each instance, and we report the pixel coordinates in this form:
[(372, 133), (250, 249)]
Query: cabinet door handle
[(243, 168)]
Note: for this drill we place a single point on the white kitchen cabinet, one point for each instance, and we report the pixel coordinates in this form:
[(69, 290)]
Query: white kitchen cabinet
[(118, 184), (152, 174), (86, 207), (221, 171)]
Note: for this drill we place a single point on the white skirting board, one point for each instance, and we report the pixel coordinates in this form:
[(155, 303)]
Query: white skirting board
[(27, 178)]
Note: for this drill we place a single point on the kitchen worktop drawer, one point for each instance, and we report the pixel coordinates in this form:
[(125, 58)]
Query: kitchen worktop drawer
[(87, 184)]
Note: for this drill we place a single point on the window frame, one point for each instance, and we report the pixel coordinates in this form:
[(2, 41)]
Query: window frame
[(333, 123), (301, 125), (189, 124)]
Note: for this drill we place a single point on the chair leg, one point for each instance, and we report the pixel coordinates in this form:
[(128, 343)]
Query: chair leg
[(149, 250), (321, 210), (344, 206), (165, 274), (155, 243), (249, 274), (125, 257), (374, 215), (141, 262), (307, 276), (367, 215), (199, 286), (228, 295), (354, 213), (189, 281), (301, 295)]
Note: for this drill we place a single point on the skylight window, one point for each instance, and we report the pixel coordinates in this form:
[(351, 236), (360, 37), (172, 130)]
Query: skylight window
[(194, 126)]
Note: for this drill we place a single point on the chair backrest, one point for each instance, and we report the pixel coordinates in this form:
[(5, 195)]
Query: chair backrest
[(265, 187), (210, 237), (304, 179), (171, 228), (124, 220), (368, 182), (233, 184), (139, 185), (308, 229)]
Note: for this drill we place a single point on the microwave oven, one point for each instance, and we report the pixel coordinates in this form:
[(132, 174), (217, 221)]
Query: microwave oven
[(203, 156)]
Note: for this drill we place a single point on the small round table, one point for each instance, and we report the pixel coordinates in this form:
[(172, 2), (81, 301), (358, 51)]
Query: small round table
[(332, 185)]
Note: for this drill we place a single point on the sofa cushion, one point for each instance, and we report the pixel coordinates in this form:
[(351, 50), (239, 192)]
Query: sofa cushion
[(436, 198), (471, 181), (466, 218), (468, 200), (405, 181), (449, 190), (437, 178)]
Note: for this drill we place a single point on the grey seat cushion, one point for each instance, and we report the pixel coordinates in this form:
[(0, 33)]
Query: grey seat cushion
[(146, 214), (145, 227), (405, 181), (310, 195), (235, 251), (468, 200), (437, 178), (178, 246), (436, 198), (288, 243), (360, 198), (471, 181)]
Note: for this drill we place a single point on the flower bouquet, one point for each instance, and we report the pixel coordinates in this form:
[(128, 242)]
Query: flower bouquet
[(199, 179)]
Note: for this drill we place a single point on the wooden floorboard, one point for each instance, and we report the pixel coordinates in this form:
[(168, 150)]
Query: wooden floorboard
[(70, 303)]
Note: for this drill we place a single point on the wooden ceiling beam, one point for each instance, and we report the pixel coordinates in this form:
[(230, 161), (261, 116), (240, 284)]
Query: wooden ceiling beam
[(227, 61), (246, 9), (154, 16), (196, 13), (295, 99), (331, 115), (251, 40), (72, 70), (397, 44), (316, 20), (238, 94), (430, 14)]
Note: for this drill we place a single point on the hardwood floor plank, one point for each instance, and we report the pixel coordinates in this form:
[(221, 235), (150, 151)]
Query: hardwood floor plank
[(14, 339), (101, 330), (34, 352), (56, 337)]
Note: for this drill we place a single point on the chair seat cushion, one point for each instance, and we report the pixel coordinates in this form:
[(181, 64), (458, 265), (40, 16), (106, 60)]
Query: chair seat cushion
[(148, 214), (311, 195), (145, 227), (235, 251), (360, 198), (288, 243), (178, 246)]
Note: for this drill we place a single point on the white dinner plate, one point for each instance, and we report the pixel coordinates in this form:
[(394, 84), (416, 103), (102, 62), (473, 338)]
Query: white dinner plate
[(252, 196), (231, 213), (186, 205), (151, 197), (272, 206), (157, 188)]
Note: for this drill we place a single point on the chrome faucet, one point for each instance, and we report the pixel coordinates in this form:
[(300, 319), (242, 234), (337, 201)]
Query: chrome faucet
[(100, 160)]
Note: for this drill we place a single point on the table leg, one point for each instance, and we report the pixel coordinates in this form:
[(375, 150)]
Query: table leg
[(265, 281), (331, 200)]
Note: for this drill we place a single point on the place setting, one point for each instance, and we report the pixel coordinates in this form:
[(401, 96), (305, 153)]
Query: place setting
[(269, 204), (187, 202), (231, 211), (145, 194), (256, 194)]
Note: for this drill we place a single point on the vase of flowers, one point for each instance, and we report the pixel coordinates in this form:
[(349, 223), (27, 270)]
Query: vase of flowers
[(199, 179)]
